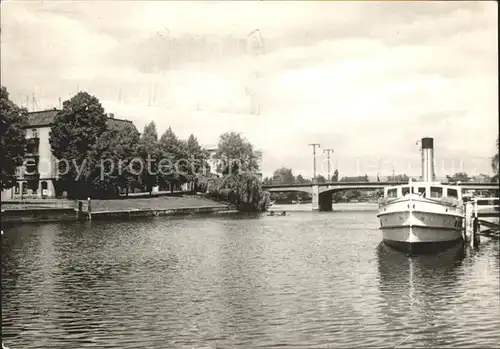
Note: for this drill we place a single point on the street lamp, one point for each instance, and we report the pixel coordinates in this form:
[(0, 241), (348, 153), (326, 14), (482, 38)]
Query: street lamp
[(314, 145), (328, 151)]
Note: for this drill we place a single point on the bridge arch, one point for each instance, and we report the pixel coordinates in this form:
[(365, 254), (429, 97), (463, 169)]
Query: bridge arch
[(325, 197), (308, 190)]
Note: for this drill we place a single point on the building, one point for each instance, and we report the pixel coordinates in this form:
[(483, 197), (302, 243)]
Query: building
[(37, 177), (212, 162)]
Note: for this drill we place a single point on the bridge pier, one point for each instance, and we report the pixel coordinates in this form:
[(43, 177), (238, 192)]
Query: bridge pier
[(320, 202), (315, 194), (325, 201)]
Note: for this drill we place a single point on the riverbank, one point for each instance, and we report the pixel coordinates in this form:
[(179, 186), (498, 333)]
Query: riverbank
[(31, 211)]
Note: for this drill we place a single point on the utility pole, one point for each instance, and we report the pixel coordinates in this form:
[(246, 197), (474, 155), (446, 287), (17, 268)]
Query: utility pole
[(314, 145), (328, 151), (33, 102)]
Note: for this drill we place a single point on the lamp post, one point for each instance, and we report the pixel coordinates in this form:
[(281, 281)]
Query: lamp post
[(314, 145), (328, 151)]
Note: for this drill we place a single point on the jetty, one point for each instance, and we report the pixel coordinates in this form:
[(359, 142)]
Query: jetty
[(481, 213)]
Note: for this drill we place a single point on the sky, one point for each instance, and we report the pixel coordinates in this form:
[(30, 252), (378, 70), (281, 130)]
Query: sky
[(367, 79)]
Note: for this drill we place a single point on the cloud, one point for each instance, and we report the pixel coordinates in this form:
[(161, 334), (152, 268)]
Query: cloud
[(365, 78)]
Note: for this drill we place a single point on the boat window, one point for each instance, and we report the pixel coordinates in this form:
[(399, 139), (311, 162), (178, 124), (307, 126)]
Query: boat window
[(421, 190), (405, 190), (392, 193), (436, 192), (452, 193)]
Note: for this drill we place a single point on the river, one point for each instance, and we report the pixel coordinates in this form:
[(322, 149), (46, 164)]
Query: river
[(304, 280)]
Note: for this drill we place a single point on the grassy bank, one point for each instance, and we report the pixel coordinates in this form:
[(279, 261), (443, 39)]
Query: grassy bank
[(132, 203), (155, 203)]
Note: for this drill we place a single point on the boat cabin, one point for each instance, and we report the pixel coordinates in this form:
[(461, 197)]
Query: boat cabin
[(424, 189)]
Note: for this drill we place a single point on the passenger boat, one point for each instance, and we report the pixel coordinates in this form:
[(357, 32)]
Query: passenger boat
[(422, 216)]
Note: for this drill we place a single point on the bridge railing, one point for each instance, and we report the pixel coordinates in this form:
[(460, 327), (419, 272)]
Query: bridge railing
[(465, 185)]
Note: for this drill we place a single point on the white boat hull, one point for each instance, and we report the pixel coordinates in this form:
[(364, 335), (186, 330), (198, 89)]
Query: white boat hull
[(415, 224)]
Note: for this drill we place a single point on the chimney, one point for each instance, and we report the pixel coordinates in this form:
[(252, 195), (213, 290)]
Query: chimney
[(111, 115), (427, 159)]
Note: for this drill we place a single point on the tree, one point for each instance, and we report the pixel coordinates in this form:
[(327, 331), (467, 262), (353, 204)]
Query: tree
[(321, 179), (299, 179), (173, 166), (13, 138), (458, 177), (238, 165), (335, 176), (197, 158), (267, 181), (76, 130), (149, 154), (283, 176), (113, 157), (235, 154), (495, 164), (398, 178)]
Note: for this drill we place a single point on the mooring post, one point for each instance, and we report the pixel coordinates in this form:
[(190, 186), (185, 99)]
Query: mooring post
[(89, 209), (79, 209), (467, 222), (476, 237)]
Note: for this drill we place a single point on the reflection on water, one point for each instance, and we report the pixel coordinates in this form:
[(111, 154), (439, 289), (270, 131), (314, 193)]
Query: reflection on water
[(305, 280)]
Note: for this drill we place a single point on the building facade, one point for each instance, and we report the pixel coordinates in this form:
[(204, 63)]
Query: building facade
[(37, 177)]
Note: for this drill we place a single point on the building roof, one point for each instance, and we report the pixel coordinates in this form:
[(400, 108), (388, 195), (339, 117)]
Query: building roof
[(119, 124), (42, 117), (47, 117)]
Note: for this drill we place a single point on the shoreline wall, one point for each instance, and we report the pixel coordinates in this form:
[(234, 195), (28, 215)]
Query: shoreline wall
[(40, 215)]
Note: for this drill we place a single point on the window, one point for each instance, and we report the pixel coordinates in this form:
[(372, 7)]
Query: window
[(44, 185), (436, 192), (421, 190), (405, 190), (31, 169), (392, 193), (33, 185), (16, 189), (452, 193), (35, 133), (25, 187)]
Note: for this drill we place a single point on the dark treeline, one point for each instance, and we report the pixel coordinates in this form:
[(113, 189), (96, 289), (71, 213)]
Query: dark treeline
[(103, 157)]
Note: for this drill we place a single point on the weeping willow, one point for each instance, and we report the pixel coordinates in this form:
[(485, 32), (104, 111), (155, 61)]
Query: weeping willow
[(242, 190)]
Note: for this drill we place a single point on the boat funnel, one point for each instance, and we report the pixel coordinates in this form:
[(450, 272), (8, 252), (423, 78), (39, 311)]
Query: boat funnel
[(428, 159)]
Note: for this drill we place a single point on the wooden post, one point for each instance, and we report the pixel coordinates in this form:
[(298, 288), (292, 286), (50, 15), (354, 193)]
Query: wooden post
[(469, 222), (475, 233), (477, 227), (79, 210), (475, 208), (89, 208)]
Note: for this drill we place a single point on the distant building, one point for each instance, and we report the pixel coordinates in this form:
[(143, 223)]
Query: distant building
[(37, 177), (481, 178), (355, 179), (212, 162)]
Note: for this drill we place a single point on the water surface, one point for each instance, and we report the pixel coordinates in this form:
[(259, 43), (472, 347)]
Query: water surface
[(305, 280)]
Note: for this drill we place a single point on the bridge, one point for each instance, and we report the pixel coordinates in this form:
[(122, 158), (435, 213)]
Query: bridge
[(322, 192)]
